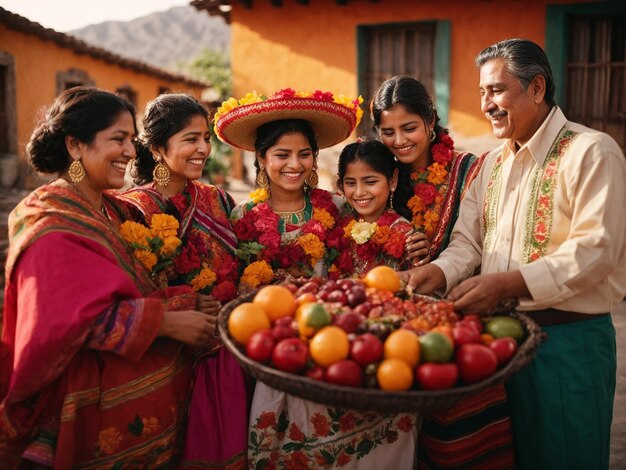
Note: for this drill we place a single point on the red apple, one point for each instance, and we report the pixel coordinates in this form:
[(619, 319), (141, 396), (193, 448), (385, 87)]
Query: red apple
[(316, 372), (260, 346), (281, 332), (348, 321), (337, 296), (476, 362), (292, 287), (310, 286), (366, 348), (505, 348), (356, 296), (290, 355), (345, 284), (345, 372), (363, 309), (465, 333), (433, 376)]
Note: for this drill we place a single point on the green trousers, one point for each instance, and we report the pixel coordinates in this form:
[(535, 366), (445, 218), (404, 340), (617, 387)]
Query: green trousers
[(562, 403)]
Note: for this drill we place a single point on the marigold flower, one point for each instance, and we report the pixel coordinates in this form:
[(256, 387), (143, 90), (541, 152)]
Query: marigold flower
[(348, 228), (170, 244), (381, 235), (257, 273), (324, 217), (205, 278), (362, 231), (259, 195), (133, 232), (430, 221), (437, 173), (251, 97), (312, 246), (416, 205), (418, 221), (163, 226), (147, 258)]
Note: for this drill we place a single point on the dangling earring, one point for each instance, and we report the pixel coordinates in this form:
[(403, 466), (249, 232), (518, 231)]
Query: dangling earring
[(134, 171), (433, 135), (391, 200), (76, 171), (161, 173), (262, 180), (313, 180)]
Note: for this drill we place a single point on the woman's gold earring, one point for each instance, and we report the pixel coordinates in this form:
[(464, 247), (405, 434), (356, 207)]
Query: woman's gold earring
[(313, 180), (433, 135), (391, 200), (262, 180), (161, 173), (76, 171)]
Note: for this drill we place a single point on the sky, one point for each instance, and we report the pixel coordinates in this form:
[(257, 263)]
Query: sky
[(66, 15)]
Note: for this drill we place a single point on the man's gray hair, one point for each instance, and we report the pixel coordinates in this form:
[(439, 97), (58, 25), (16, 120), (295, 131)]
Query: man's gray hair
[(524, 60)]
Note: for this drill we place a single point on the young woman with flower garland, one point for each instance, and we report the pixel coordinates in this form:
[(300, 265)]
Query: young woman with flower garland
[(477, 431), (88, 375), (176, 145), (287, 226), (374, 233)]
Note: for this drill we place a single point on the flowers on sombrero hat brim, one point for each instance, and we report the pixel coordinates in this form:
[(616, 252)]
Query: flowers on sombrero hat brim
[(332, 118)]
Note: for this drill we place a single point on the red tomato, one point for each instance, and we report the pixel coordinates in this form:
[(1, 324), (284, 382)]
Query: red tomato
[(465, 333), (345, 372), (505, 348), (475, 319), (432, 376), (317, 373), (476, 362), (260, 346), (290, 355)]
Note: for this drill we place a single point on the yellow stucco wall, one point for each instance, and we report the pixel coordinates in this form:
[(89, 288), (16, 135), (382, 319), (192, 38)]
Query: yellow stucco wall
[(38, 61), (314, 46)]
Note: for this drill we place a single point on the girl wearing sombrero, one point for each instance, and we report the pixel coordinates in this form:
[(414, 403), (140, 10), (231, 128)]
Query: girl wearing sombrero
[(286, 227)]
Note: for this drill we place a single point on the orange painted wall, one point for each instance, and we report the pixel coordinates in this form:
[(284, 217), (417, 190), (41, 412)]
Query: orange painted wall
[(314, 46), (36, 65)]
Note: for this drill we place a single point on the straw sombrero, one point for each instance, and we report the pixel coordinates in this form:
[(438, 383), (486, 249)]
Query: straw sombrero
[(332, 118)]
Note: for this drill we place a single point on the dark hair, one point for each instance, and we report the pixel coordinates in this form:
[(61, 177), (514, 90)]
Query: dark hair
[(380, 159), (164, 116), (524, 60), (267, 134), (411, 94), (80, 112)]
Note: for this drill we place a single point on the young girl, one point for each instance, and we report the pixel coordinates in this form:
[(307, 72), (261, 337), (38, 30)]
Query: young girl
[(374, 233)]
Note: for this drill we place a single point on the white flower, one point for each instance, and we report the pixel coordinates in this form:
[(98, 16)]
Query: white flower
[(362, 231)]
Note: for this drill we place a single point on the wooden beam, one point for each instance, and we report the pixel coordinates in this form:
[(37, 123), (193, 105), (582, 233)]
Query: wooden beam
[(276, 3)]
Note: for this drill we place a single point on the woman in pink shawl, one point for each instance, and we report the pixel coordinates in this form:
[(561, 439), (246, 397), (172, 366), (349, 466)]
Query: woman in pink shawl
[(94, 371), (177, 145)]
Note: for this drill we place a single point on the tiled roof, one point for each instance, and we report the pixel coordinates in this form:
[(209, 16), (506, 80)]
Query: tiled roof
[(24, 25)]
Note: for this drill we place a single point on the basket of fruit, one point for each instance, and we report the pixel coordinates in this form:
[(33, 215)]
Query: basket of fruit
[(361, 345)]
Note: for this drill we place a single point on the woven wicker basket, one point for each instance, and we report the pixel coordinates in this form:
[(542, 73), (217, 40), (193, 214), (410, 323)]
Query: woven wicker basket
[(373, 399)]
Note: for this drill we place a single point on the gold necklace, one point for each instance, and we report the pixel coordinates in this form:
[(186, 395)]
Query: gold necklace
[(292, 217)]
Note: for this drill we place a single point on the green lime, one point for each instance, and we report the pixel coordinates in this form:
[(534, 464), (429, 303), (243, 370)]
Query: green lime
[(316, 315), (501, 326), (435, 347)]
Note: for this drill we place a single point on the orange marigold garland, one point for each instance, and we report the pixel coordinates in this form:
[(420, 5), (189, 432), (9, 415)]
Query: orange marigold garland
[(429, 186)]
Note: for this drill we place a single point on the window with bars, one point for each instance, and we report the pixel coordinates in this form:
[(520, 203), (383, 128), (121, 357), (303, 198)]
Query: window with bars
[(595, 74), (388, 50)]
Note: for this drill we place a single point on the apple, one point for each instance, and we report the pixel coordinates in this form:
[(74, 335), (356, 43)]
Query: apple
[(338, 296), (505, 348), (431, 376), (292, 287), (260, 346), (363, 309), (366, 349), (281, 332), (317, 373), (476, 362), (348, 321), (290, 355), (310, 286), (356, 296), (345, 372), (465, 333), (345, 284)]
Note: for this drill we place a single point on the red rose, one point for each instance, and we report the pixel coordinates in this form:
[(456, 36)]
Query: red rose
[(335, 238), (224, 291), (284, 93), (344, 262), (316, 228), (367, 251), (291, 255), (187, 260), (323, 200), (227, 268), (426, 193), (395, 245), (244, 228), (270, 238)]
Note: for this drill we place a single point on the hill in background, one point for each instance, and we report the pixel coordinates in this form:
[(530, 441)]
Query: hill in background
[(163, 39)]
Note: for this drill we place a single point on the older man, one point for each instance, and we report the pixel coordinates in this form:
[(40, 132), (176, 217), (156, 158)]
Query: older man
[(545, 221)]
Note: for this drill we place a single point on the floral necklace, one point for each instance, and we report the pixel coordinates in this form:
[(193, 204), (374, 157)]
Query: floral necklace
[(430, 185), (364, 245), (261, 246)]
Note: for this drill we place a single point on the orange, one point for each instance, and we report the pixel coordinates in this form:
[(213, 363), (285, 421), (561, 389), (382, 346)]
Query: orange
[(382, 277), (277, 301), (245, 319), (446, 331), (403, 345), (394, 375), (312, 317), (329, 345), (486, 339)]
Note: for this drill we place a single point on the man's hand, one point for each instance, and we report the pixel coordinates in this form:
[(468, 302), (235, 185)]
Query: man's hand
[(482, 294), (424, 279), (418, 248)]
